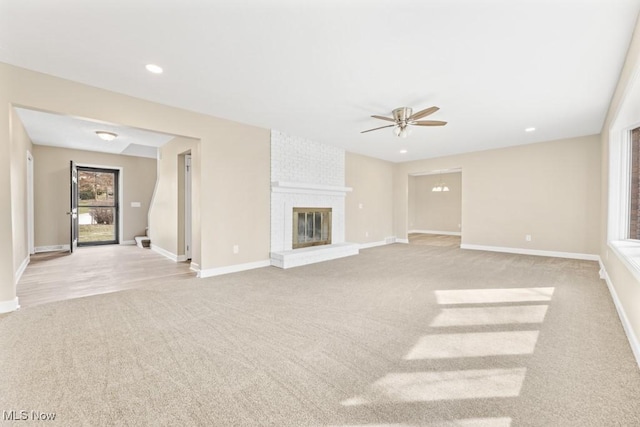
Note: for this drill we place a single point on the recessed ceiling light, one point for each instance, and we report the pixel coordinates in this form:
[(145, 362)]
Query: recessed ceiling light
[(107, 136), (153, 68), (403, 151), (530, 129)]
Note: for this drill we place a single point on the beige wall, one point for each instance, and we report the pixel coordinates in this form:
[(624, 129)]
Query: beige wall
[(7, 271), (234, 159), (166, 216), (550, 190), (435, 211), (51, 173), (372, 183), (20, 144), (626, 286)]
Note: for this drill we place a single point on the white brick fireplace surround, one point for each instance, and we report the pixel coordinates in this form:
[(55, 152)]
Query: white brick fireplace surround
[(311, 175)]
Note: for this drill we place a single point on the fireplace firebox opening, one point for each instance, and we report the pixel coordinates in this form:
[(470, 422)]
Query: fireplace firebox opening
[(311, 227)]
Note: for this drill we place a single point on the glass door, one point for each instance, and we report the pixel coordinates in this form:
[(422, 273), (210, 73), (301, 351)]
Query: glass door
[(97, 206)]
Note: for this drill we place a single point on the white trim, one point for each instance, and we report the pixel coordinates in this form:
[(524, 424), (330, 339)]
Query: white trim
[(188, 218), (128, 242), (182, 258), (164, 252), (22, 268), (52, 248), (195, 267), (30, 205), (374, 244), (537, 252), (444, 233), (300, 188), (210, 272), (626, 325), (406, 241), (9, 306)]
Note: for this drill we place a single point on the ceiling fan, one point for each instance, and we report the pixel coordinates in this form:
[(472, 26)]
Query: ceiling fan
[(404, 117)]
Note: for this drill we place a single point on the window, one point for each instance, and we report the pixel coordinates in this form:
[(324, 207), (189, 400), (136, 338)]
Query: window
[(634, 186)]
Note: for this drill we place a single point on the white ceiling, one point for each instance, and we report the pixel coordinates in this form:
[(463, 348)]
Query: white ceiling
[(79, 134), (318, 69)]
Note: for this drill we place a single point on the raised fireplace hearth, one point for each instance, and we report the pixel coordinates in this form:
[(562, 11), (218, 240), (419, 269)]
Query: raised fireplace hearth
[(311, 227)]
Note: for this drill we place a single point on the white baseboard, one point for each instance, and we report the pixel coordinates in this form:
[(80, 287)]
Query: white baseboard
[(51, 248), (128, 242), (164, 252), (195, 267), (626, 325), (210, 272), (521, 251), (444, 233), (181, 258), (22, 268), (9, 306), (401, 241), (374, 244)]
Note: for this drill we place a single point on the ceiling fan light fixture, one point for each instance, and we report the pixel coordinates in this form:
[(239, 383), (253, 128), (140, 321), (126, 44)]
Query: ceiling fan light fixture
[(106, 136), (437, 188)]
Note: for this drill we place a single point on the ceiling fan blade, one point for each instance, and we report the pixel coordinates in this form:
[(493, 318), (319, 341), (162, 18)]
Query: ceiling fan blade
[(381, 127), (389, 119), (423, 113), (429, 123)]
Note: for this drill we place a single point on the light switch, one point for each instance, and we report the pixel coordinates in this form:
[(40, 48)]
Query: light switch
[(135, 204)]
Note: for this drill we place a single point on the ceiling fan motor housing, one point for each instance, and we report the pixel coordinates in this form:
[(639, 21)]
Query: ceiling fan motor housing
[(401, 115)]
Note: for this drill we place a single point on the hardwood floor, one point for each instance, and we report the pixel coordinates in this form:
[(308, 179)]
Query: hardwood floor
[(434, 240), (57, 276)]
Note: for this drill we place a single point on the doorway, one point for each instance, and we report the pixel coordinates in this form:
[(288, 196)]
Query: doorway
[(435, 208), (98, 206)]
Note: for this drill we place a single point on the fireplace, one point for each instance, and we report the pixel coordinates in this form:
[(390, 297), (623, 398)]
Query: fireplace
[(311, 227)]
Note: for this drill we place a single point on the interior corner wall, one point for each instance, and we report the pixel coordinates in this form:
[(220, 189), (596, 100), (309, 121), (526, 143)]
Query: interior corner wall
[(550, 190), (369, 207), (20, 144), (625, 285), (435, 211), (8, 300), (164, 214)]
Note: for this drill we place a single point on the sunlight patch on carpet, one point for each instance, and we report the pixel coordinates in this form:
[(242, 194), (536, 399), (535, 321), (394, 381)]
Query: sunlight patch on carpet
[(484, 296), (475, 316), (477, 344), (447, 385)]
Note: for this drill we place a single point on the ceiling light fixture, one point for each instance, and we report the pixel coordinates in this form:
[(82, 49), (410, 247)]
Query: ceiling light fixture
[(402, 131), (530, 129), (440, 186), (403, 151), (153, 68), (106, 136)]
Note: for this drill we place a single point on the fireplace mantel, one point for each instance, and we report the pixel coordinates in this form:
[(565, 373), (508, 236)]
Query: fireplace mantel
[(301, 188)]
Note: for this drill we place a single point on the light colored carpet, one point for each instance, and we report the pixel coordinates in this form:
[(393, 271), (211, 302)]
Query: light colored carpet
[(434, 240), (399, 335)]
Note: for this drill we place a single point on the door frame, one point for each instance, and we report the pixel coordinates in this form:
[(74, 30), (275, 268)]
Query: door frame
[(31, 241), (120, 170), (187, 206)]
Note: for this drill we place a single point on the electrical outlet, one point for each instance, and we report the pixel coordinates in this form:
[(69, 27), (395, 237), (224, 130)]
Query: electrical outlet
[(236, 249), (527, 237), (360, 205), (459, 225), (366, 234)]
